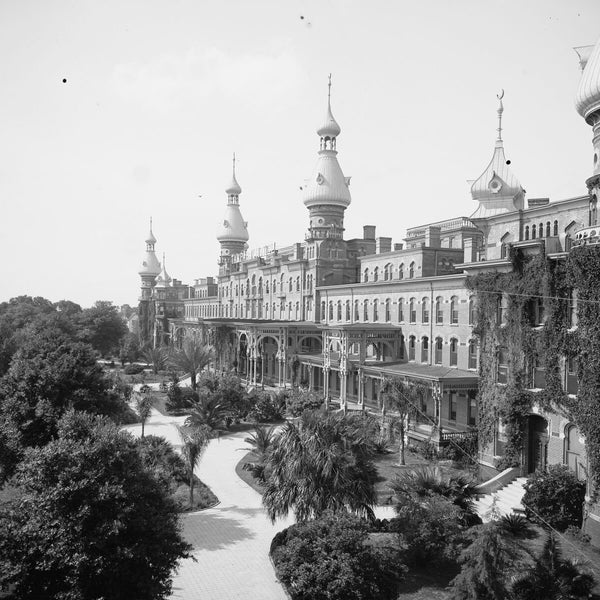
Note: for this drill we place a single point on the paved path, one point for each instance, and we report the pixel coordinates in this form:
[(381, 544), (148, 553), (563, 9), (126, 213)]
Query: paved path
[(230, 541)]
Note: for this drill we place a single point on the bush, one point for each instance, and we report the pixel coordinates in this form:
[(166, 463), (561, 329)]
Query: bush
[(178, 398), (330, 558), (266, 408), (460, 450), (555, 498), (301, 400), (203, 497), (133, 369)]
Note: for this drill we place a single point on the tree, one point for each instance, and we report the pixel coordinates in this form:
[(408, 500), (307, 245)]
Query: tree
[(91, 521), (192, 358), (129, 349), (209, 411), (486, 566), (195, 440), (157, 357), (161, 459), (323, 463), (404, 399), (143, 405), (551, 576), (102, 327)]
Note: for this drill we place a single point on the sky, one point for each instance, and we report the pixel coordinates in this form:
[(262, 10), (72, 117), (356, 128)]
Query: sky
[(115, 111)]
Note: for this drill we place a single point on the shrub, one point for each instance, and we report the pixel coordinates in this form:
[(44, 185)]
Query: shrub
[(266, 408), (178, 398), (133, 369), (555, 498), (301, 400), (330, 558)]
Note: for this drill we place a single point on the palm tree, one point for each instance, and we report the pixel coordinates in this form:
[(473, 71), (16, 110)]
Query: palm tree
[(157, 357), (194, 440), (404, 399), (192, 358), (210, 411), (322, 463), (261, 441), (143, 405), (553, 577)]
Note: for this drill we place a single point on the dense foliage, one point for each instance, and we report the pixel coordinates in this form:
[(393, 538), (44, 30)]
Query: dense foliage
[(300, 400), (91, 520), (331, 559)]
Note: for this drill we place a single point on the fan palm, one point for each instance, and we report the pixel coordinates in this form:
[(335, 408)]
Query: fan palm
[(322, 463), (210, 411), (195, 440), (192, 358), (157, 357), (261, 441)]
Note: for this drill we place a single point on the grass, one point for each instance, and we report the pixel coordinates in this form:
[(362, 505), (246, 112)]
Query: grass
[(203, 497)]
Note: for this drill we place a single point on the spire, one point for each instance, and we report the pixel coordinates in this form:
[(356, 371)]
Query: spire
[(163, 280), (330, 129), (500, 111), (234, 228), (150, 265), (234, 189), (150, 240)]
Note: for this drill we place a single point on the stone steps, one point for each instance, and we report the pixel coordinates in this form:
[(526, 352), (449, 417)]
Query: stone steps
[(506, 501)]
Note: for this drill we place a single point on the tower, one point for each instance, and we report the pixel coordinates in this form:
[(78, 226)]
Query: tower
[(326, 194), (497, 189), (233, 234), (150, 267), (587, 102)]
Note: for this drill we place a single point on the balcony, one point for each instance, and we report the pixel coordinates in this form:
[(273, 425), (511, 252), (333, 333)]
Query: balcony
[(587, 236)]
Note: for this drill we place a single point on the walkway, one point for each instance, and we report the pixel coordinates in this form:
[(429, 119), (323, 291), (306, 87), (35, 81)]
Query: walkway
[(230, 541)]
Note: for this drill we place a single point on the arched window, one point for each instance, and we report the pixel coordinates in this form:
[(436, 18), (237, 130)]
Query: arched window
[(548, 229), (356, 311), (412, 311), (555, 228), (527, 232), (454, 310), (401, 271), (387, 272), (297, 284), (439, 349), (365, 310), (471, 310), (453, 352), (274, 286), (375, 273), (323, 313), (339, 310), (425, 310), (472, 354), (289, 311), (273, 309), (533, 232), (411, 347), (439, 310), (572, 309), (290, 284), (347, 310), (375, 310), (502, 371), (568, 242), (366, 275), (297, 317), (411, 270), (266, 286), (541, 230), (247, 287), (424, 349), (400, 310), (388, 312), (330, 310)]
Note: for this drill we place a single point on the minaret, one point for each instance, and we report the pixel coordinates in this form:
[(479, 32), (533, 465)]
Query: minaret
[(163, 280), (587, 103), (233, 234), (150, 267), (497, 190), (326, 194)]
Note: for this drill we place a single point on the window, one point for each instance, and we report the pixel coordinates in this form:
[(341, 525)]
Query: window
[(527, 232), (454, 310), (502, 372), (452, 406), (401, 347), (291, 284), (339, 310), (411, 270), (472, 416), (424, 349), (501, 310), (453, 352), (535, 311), (356, 311), (472, 354), (412, 311), (375, 273), (471, 311), (274, 286), (322, 310), (297, 317), (439, 349), (411, 347), (401, 271), (331, 311), (388, 316), (297, 284), (375, 310), (555, 228), (541, 230), (533, 232), (347, 310), (366, 275), (439, 310), (267, 286), (539, 375), (572, 309), (289, 311), (401, 310), (571, 383), (366, 310), (548, 229), (425, 310), (387, 272)]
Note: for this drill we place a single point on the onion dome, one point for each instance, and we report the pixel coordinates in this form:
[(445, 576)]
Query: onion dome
[(497, 189), (330, 127), (163, 280), (233, 227), (587, 99), (150, 264)]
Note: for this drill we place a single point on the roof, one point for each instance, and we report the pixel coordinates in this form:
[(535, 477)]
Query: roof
[(328, 184), (330, 127), (587, 99), (428, 372), (233, 228)]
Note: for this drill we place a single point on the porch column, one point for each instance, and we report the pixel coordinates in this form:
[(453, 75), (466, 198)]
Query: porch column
[(344, 390), (436, 392), (326, 386), (311, 376), (361, 389)]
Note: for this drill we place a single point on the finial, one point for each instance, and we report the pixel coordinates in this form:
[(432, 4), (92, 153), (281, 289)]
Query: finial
[(163, 260), (500, 111), (329, 89), (234, 164)]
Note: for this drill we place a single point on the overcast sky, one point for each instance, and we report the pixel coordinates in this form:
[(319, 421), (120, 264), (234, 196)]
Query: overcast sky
[(159, 93)]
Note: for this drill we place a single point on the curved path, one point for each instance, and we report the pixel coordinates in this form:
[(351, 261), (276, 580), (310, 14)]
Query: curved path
[(230, 541)]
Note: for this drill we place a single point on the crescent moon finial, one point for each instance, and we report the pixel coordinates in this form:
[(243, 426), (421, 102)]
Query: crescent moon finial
[(500, 95)]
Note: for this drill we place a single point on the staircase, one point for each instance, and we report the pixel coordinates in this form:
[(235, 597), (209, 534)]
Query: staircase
[(507, 500)]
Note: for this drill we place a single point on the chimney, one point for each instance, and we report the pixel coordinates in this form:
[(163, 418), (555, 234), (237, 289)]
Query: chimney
[(533, 202), (398, 246), (368, 232), (470, 250), (297, 252), (383, 244), (432, 237)]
